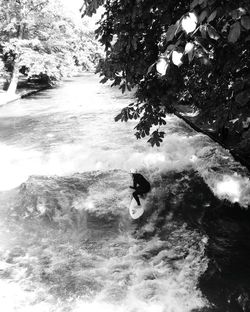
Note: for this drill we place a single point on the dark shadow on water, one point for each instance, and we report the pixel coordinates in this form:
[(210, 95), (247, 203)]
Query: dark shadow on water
[(227, 279), (226, 282)]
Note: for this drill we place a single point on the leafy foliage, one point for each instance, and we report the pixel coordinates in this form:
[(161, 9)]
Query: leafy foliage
[(194, 53), (40, 39)]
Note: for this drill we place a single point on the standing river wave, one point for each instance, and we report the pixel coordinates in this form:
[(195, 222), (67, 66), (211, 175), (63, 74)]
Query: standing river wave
[(67, 240)]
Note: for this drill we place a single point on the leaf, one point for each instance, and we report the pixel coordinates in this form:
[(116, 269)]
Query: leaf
[(194, 4), (189, 22), (176, 58), (234, 32), (235, 14), (170, 48), (188, 47), (123, 87), (243, 98), (203, 30), (105, 79), (171, 32), (245, 22), (203, 15), (225, 27), (178, 27), (156, 138), (161, 66), (151, 68), (212, 16), (212, 32), (118, 117), (189, 50), (136, 115), (205, 61), (191, 56)]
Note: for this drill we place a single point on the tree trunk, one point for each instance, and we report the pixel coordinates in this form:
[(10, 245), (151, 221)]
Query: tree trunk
[(14, 80)]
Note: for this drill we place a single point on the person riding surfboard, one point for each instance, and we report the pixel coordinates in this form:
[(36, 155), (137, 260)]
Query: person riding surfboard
[(140, 185)]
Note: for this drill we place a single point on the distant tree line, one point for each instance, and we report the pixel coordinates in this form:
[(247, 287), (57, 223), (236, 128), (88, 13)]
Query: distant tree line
[(39, 41), (192, 54)]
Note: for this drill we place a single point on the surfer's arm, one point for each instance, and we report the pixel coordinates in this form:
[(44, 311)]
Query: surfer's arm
[(134, 183)]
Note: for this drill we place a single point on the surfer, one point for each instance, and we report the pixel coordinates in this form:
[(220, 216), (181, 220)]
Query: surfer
[(140, 185)]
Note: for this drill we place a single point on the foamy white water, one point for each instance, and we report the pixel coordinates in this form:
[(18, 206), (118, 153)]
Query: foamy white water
[(85, 265), (72, 129)]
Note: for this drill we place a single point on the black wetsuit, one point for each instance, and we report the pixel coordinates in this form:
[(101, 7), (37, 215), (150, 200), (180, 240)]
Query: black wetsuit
[(141, 186)]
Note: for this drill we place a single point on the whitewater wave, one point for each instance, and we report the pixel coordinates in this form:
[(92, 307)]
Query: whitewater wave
[(181, 149), (73, 238), (68, 241)]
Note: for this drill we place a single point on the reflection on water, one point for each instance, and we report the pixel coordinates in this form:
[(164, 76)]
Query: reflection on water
[(68, 243)]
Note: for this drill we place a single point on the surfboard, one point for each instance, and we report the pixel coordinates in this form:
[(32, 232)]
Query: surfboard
[(135, 210)]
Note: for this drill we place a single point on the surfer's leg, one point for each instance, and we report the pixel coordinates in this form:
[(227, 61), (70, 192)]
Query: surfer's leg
[(139, 191), (135, 194)]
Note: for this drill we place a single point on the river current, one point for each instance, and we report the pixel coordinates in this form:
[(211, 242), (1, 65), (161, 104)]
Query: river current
[(67, 242)]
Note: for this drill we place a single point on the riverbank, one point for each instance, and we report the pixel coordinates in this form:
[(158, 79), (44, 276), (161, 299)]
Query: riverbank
[(236, 142), (22, 92), (26, 88)]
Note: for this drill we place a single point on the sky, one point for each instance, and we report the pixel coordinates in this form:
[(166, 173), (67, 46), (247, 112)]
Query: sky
[(73, 6)]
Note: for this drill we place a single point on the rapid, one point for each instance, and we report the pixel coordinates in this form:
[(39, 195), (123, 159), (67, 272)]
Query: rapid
[(67, 242)]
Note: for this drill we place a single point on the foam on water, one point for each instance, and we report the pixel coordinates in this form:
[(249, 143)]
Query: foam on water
[(176, 153), (87, 258), (225, 176), (63, 135), (91, 258), (127, 280), (229, 187), (18, 163)]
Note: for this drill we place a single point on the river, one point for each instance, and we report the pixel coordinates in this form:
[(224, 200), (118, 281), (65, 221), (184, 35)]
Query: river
[(67, 240)]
